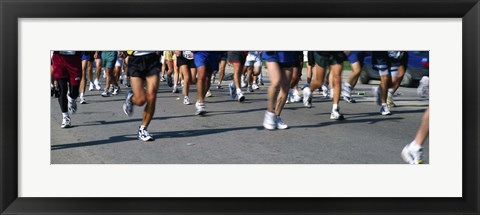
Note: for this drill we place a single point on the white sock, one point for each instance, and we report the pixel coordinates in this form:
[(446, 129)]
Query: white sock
[(142, 127), (384, 104), (81, 95), (239, 90), (65, 114), (335, 107)]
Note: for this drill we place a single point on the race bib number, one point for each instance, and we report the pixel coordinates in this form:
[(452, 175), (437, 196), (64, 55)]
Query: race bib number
[(188, 55), (67, 52)]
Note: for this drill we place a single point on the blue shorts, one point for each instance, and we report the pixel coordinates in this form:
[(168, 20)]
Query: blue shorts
[(87, 55), (270, 56), (353, 57), (209, 59)]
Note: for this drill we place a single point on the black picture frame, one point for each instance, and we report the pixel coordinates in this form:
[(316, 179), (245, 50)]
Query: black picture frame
[(12, 10)]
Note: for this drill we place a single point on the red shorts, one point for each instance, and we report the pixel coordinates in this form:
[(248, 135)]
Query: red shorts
[(67, 67)]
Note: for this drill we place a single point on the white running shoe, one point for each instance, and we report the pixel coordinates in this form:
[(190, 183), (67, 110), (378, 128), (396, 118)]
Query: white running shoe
[(175, 89), (66, 122), (97, 85), (72, 105), (384, 110), (186, 100), (390, 102), (270, 121), (280, 124), (162, 79), (110, 89), (240, 96), (336, 115), (143, 135), (90, 87), (423, 89), (201, 109), (127, 105), (82, 100), (412, 156), (209, 94), (250, 89), (116, 90), (347, 92), (106, 93), (295, 98), (231, 87), (325, 91), (255, 86), (307, 97)]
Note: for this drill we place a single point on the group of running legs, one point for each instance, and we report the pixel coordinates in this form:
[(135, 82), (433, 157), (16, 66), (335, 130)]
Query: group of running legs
[(145, 69)]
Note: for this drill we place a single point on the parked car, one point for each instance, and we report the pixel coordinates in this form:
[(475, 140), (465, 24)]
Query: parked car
[(418, 63)]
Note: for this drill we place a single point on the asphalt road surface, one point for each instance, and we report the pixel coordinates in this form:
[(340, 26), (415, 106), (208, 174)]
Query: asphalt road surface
[(232, 132)]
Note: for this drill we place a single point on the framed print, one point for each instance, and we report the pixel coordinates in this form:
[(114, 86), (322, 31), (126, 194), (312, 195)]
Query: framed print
[(35, 180)]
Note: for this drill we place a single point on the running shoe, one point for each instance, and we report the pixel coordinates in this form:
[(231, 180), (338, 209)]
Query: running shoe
[(261, 82), (116, 89), (270, 121), (307, 97), (336, 115), (384, 110), (240, 96), (110, 89), (72, 105), (127, 105), (219, 86), (412, 156), (169, 81), (349, 99), (201, 109), (82, 100), (209, 94), (255, 86), (175, 89), (143, 135), (325, 91), (390, 102), (106, 93), (423, 89), (233, 93), (66, 122), (295, 98), (250, 89), (280, 124), (162, 79), (186, 100), (97, 85), (243, 84), (90, 87), (347, 92)]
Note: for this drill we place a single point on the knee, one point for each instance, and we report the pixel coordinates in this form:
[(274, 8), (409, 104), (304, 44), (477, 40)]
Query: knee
[(150, 98), (139, 100)]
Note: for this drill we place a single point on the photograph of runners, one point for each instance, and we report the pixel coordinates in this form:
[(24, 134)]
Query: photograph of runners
[(239, 107)]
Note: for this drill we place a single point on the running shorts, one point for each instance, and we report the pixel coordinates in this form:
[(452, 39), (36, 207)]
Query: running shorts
[(108, 59), (237, 57), (325, 59), (144, 65), (67, 67)]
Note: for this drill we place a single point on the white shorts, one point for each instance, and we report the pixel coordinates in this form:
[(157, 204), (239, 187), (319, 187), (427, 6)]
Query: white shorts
[(253, 59)]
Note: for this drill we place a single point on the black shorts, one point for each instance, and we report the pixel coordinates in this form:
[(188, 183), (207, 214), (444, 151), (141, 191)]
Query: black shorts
[(381, 61), (311, 60), (325, 59), (237, 57), (143, 66), (298, 60), (184, 61), (287, 65), (224, 56)]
